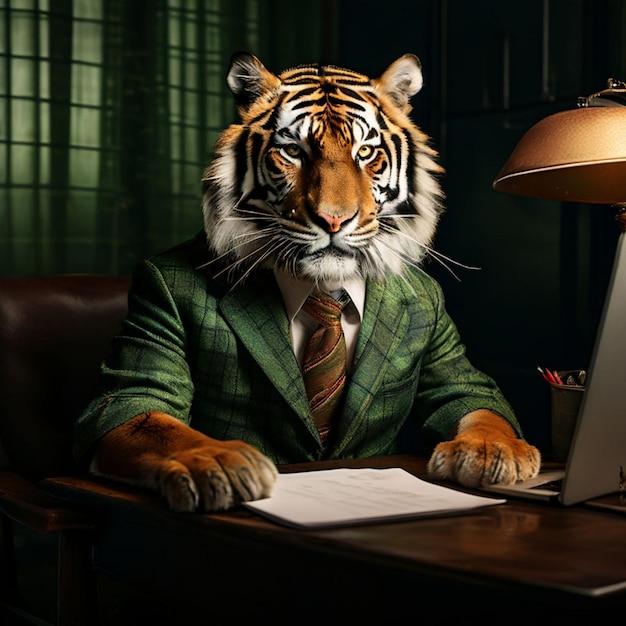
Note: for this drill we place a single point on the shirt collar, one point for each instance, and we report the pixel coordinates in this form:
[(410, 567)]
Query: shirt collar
[(295, 291)]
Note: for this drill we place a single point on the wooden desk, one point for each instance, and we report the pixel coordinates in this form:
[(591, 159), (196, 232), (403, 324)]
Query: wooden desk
[(529, 560)]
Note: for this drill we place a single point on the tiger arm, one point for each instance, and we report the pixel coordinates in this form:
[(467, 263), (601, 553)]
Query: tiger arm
[(192, 471), (485, 450)]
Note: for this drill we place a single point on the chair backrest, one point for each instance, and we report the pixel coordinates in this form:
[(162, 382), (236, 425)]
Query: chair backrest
[(54, 333)]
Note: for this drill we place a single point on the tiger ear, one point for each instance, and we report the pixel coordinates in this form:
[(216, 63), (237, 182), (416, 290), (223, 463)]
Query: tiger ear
[(401, 80), (248, 79)]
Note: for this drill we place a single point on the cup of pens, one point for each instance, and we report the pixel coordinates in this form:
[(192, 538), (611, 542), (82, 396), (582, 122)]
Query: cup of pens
[(566, 394)]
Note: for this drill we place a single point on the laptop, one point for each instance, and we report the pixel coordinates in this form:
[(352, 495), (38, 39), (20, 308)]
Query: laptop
[(596, 461)]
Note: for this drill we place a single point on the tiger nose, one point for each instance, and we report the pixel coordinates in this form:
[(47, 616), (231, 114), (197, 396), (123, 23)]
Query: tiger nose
[(335, 222)]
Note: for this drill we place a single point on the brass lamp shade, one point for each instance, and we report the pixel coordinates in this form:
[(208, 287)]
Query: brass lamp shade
[(577, 155)]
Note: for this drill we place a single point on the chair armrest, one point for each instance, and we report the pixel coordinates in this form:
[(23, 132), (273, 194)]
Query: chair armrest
[(25, 503)]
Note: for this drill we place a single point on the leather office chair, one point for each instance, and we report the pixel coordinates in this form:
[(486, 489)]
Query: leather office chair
[(54, 332)]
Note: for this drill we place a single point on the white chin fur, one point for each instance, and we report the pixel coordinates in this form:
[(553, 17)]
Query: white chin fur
[(330, 267)]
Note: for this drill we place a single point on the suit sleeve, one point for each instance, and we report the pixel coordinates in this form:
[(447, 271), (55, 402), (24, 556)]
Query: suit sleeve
[(449, 385), (147, 369)]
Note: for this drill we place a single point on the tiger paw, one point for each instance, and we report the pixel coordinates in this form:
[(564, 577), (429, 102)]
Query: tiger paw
[(485, 451), (192, 471), (215, 476)]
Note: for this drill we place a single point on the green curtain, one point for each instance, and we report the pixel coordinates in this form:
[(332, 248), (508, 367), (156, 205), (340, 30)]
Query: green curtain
[(108, 112)]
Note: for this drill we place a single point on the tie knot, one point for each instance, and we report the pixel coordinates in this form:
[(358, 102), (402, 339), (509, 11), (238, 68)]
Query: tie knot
[(324, 308)]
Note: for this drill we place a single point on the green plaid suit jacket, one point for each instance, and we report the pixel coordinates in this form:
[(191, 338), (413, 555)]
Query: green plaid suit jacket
[(220, 359)]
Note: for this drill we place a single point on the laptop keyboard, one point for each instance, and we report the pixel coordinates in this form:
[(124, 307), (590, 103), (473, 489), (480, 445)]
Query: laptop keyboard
[(552, 485)]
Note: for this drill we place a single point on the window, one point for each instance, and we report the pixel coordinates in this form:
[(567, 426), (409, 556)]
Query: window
[(108, 112)]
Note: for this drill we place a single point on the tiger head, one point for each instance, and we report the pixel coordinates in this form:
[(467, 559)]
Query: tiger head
[(325, 176)]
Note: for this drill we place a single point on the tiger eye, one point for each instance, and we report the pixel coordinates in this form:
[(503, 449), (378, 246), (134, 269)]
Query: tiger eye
[(365, 151), (292, 150)]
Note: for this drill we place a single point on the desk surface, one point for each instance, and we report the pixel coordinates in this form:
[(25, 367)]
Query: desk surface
[(564, 558)]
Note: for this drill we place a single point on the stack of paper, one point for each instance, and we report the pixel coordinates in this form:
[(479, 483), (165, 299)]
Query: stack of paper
[(337, 497)]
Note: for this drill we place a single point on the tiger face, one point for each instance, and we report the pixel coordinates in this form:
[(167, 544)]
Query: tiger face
[(325, 176)]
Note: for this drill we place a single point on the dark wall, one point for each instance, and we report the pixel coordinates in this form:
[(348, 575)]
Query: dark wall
[(492, 69)]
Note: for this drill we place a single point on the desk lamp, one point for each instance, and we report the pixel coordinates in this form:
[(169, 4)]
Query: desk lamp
[(579, 155)]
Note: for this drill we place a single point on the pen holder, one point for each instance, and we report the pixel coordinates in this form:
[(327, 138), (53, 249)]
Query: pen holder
[(565, 403)]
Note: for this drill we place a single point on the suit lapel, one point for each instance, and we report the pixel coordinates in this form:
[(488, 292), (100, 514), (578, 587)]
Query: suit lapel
[(257, 315), (384, 326)]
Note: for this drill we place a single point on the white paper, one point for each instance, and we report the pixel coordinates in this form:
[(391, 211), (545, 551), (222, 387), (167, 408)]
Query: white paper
[(355, 496)]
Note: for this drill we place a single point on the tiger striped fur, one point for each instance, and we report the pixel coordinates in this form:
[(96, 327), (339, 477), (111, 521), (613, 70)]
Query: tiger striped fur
[(325, 175)]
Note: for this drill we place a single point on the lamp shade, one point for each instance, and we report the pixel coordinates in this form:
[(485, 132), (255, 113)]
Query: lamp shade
[(577, 155)]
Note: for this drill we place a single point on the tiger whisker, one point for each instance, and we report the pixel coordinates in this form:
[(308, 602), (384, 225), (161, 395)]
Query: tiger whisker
[(249, 216), (257, 262), (405, 258), (411, 262), (245, 212), (254, 236), (238, 262), (290, 259), (259, 255), (441, 258), (249, 237), (431, 251)]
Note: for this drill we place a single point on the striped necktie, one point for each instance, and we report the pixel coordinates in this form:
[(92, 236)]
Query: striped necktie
[(324, 368)]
